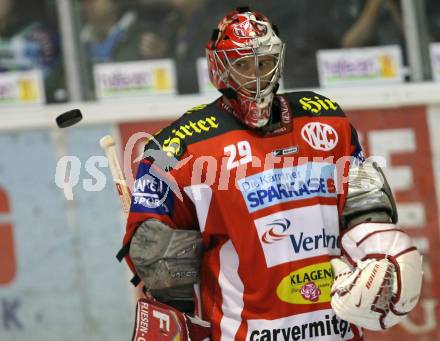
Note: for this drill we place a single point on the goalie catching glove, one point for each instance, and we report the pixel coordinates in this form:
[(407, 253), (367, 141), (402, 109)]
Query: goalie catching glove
[(378, 281)]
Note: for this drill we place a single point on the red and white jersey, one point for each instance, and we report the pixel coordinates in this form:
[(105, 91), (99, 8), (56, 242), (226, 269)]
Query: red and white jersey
[(267, 203)]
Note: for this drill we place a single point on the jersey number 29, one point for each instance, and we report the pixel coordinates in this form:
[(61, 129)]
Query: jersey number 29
[(243, 149)]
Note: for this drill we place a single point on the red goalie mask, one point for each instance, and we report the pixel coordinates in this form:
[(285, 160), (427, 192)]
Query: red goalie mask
[(245, 61)]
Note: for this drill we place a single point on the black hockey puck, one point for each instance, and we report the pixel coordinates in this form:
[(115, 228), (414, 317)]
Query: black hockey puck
[(69, 118)]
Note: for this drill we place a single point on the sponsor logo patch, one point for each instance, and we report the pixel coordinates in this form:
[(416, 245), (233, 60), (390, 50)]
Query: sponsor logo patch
[(308, 285), (151, 194), (286, 151), (276, 231), (298, 234), (310, 292), (320, 136), (276, 186), (316, 325), (317, 104), (172, 145)]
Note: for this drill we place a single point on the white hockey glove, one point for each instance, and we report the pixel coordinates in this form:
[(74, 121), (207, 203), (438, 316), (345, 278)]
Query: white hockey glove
[(379, 281)]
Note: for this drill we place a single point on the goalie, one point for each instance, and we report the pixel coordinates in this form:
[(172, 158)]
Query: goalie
[(242, 197)]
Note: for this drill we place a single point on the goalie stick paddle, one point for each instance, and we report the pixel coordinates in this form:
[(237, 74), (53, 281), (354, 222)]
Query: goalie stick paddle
[(156, 321), (108, 143)]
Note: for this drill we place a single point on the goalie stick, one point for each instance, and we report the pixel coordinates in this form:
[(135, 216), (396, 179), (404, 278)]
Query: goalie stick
[(108, 144), (183, 326)]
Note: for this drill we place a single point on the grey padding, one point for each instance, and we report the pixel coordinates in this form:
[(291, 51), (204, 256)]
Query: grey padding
[(167, 260), (369, 197)]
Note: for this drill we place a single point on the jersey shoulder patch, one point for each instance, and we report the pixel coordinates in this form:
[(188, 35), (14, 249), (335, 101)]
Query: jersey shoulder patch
[(199, 123), (309, 103)]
